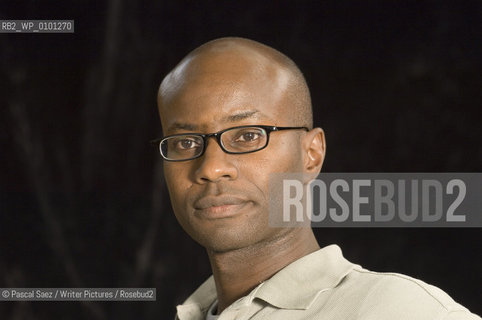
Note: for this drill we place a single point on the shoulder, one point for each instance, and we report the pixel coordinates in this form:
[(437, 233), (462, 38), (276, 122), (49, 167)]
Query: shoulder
[(397, 296)]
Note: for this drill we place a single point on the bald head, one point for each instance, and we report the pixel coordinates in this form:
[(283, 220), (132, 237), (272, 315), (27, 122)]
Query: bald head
[(232, 61)]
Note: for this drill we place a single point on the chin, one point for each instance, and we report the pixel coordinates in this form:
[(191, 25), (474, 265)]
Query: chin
[(223, 244), (225, 241)]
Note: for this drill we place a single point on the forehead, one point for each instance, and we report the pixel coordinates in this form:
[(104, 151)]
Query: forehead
[(213, 94)]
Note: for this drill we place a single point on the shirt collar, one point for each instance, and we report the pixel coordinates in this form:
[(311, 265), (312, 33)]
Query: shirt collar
[(198, 303), (296, 286)]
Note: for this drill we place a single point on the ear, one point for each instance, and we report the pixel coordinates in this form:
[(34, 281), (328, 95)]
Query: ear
[(314, 148)]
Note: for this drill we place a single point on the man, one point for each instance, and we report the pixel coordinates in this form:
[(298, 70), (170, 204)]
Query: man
[(233, 112)]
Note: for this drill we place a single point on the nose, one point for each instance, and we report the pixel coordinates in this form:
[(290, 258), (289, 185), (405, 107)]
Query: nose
[(214, 165)]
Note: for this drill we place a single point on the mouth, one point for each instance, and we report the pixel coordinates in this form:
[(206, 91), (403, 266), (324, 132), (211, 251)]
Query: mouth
[(219, 207)]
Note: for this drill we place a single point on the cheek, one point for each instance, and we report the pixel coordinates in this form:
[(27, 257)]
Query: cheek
[(282, 155), (282, 158), (177, 182)]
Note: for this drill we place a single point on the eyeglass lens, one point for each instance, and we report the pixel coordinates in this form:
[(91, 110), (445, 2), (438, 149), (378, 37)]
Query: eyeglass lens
[(237, 140)]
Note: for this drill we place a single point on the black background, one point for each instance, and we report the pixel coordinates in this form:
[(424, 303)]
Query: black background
[(396, 85)]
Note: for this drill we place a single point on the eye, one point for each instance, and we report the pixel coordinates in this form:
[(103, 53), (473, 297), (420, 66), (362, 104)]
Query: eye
[(248, 136), (186, 144)]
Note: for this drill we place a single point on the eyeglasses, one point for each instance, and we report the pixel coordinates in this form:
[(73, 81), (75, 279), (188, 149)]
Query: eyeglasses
[(236, 140)]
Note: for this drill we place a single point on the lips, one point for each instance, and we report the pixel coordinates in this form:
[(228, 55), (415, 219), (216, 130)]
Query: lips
[(215, 207), (207, 202)]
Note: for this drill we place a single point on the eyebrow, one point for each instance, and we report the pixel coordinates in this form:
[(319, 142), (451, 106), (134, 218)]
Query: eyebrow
[(241, 116), (231, 118), (182, 126)]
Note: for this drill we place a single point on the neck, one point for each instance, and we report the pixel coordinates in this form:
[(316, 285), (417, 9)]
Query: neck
[(239, 271)]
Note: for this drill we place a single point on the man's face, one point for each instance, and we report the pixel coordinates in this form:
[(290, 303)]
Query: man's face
[(222, 200)]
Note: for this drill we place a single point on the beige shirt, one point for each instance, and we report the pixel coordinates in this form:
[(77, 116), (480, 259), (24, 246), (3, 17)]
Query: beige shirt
[(324, 285)]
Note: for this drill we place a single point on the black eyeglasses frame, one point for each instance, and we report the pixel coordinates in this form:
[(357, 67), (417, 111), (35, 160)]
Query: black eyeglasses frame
[(217, 135)]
